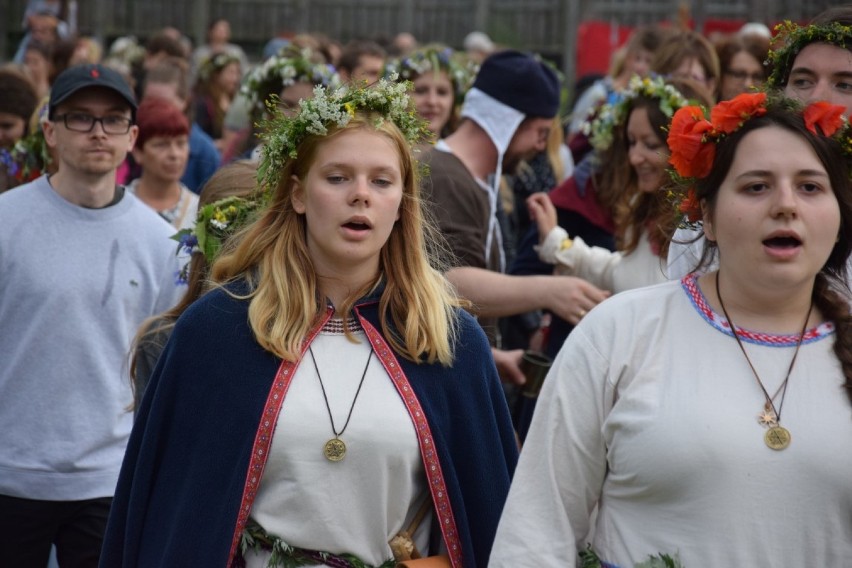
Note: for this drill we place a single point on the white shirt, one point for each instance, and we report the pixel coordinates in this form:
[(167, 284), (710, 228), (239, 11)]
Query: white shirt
[(604, 268), (649, 415), (356, 505), (183, 214)]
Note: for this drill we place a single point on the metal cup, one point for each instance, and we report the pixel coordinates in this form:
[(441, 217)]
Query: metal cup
[(534, 366)]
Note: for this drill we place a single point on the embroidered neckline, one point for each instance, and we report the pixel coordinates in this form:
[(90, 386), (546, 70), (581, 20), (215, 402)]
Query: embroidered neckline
[(699, 302), (334, 326)]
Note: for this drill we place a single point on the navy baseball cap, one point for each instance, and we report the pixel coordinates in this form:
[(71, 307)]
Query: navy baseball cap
[(89, 75)]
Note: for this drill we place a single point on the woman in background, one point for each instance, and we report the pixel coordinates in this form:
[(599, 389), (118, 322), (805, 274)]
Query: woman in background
[(162, 152), (631, 135), (741, 63), (440, 78), (688, 55), (283, 80), (226, 204), (217, 85)]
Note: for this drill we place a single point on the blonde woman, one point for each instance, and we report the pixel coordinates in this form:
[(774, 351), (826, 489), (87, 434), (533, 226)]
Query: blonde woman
[(306, 409)]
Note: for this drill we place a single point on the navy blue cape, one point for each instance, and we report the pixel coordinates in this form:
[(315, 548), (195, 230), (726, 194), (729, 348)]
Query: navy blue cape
[(187, 463)]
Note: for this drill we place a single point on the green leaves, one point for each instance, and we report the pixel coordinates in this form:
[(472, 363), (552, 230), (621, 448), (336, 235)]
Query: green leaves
[(282, 555), (590, 559), (330, 108)]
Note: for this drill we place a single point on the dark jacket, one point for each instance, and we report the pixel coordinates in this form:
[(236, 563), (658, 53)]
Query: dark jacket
[(195, 455)]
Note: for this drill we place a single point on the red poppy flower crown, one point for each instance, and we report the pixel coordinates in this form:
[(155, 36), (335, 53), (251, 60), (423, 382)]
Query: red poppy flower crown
[(692, 137)]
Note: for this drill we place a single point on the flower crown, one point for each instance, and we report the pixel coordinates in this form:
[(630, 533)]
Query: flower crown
[(460, 69), (692, 137), (216, 63), (28, 159), (127, 50), (795, 38), (330, 108), (601, 128), (215, 223), (290, 66)]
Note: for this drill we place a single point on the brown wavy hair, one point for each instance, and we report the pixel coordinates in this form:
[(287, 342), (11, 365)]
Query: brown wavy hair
[(616, 185)]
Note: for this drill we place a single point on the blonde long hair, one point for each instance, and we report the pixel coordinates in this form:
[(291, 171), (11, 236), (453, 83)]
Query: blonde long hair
[(417, 307)]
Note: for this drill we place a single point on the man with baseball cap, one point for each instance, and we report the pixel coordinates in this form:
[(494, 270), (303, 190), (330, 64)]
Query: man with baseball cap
[(83, 264), (506, 118)]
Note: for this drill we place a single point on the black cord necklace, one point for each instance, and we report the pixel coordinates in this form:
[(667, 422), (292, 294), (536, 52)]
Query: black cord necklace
[(335, 449), (776, 437)]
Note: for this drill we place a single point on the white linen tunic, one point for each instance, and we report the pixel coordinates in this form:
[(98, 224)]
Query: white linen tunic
[(649, 415), (358, 504), (614, 271)]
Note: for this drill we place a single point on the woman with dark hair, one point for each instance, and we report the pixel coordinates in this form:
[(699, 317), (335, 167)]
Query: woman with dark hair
[(625, 198), (217, 85), (695, 416), (741, 61), (19, 101), (631, 137), (688, 55), (809, 63)]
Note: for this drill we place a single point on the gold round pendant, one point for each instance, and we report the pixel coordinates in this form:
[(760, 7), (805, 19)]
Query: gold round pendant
[(777, 438), (334, 450)]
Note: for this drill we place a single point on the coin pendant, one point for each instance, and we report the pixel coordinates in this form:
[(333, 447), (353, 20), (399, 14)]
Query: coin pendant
[(335, 449), (777, 438)]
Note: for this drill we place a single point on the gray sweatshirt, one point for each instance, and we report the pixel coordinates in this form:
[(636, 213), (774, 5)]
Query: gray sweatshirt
[(75, 284)]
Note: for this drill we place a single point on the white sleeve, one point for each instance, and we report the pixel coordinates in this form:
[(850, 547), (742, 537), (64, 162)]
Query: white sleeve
[(685, 253), (593, 264), (546, 520)]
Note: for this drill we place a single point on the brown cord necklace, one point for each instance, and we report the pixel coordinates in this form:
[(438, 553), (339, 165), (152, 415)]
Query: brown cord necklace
[(776, 437), (335, 450)]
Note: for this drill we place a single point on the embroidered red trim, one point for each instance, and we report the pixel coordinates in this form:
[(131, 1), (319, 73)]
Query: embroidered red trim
[(263, 438), (432, 465), (690, 284)]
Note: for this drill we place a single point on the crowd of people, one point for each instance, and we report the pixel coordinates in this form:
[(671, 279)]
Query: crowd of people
[(282, 312)]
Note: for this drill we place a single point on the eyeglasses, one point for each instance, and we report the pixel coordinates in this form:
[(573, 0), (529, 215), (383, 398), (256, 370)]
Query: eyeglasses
[(82, 122), (740, 75)]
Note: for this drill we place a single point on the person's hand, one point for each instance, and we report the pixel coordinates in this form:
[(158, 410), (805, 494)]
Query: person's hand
[(542, 212), (509, 365), (571, 298)]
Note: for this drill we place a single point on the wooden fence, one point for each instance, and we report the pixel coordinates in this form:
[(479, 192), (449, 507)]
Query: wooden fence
[(546, 26)]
